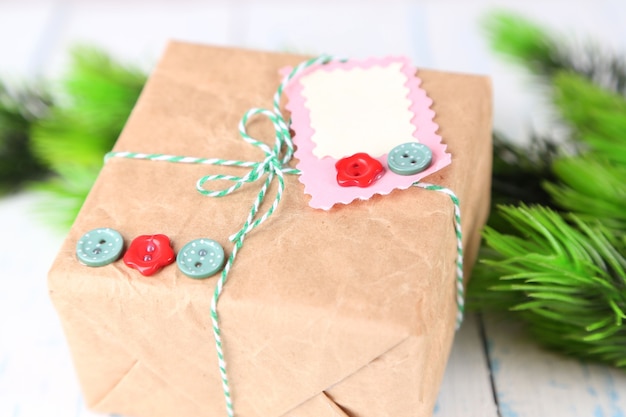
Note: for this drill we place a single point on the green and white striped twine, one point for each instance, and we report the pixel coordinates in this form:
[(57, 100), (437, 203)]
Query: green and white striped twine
[(460, 288), (274, 165)]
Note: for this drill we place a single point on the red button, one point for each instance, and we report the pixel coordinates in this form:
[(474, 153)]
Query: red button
[(359, 170), (149, 253)]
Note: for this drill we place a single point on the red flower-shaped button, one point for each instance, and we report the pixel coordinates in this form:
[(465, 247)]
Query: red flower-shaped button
[(359, 170), (149, 253)]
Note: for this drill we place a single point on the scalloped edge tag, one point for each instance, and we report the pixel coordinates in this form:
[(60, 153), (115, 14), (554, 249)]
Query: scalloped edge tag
[(318, 175)]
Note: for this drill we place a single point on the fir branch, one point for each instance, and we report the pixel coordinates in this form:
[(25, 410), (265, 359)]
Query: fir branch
[(597, 116), (64, 195), (566, 278), (544, 54), (524, 43), (560, 267), (592, 188), (102, 89), (519, 173), (19, 109), (97, 96)]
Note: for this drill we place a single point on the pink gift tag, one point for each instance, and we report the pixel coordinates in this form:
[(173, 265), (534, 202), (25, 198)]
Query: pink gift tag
[(343, 108)]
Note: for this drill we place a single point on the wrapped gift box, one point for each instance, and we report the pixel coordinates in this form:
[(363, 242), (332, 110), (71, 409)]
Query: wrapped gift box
[(345, 312)]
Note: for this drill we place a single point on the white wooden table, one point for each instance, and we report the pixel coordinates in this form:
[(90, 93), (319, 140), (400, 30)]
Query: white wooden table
[(494, 369)]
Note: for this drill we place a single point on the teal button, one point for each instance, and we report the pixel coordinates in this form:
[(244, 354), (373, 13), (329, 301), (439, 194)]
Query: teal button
[(409, 158), (200, 258), (99, 247)]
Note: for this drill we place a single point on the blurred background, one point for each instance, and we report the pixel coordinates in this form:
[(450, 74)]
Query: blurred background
[(444, 34), (36, 376)]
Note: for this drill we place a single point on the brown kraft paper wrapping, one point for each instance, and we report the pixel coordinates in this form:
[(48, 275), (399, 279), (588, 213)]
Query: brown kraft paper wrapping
[(347, 312)]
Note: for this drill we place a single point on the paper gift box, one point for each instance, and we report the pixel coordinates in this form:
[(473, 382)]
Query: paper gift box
[(342, 312)]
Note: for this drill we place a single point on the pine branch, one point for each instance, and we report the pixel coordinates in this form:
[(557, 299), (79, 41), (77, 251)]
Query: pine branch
[(566, 280), (592, 188), (519, 173), (560, 267), (64, 195), (98, 95), (524, 43), (597, 116), (533, 47), (19, 109)]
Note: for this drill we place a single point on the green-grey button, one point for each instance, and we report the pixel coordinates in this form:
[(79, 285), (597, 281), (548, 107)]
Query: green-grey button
[(200, 258), (99, 247), (409, 158)]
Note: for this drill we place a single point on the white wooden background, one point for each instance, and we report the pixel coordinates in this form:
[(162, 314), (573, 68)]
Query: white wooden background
[(494, 370)]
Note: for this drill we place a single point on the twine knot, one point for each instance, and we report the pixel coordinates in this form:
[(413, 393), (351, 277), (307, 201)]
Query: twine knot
[(273, 166)]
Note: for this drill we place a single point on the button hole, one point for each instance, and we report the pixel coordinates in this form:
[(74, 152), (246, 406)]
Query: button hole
[(102, 241), (198, 264)]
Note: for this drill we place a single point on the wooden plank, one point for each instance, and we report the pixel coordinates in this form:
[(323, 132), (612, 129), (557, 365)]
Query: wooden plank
[(466, 389), (532, 382)]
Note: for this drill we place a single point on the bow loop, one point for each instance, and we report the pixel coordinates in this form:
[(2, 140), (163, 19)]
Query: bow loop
[(273, 166), (274, 162)]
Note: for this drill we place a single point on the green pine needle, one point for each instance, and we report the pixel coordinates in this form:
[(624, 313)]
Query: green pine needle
[(64, 194), (19, 109), (544, 54), (97, 95), (523, 42), (560, 266), (519, 173), (102, 89), (563, 277), (68, 137), (592, 188), (597, 116)]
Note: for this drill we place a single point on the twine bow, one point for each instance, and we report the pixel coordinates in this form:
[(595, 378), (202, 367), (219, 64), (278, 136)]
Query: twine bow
[(274, 165)]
